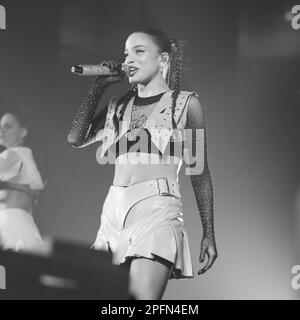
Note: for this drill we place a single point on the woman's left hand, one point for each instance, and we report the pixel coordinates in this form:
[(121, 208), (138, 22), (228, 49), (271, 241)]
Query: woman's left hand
[(208, 247)]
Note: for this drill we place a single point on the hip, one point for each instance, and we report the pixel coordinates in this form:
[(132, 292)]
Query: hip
[(157, 198)]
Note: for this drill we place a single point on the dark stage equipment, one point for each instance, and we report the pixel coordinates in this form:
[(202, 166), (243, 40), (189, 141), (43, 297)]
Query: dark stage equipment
[(65, 271)]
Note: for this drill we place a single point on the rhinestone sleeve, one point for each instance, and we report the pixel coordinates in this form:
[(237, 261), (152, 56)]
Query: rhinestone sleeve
[(84, 129), (202, 183)]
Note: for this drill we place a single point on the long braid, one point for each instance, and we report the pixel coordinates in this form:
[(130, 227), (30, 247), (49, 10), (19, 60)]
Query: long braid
[(175, 75)]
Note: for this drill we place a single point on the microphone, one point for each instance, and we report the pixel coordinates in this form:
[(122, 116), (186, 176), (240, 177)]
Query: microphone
[(99, 70)]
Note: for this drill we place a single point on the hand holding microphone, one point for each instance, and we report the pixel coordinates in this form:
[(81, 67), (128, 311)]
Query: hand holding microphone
[(110, 71)]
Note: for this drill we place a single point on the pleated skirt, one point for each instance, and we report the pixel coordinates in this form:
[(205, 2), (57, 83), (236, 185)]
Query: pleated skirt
[(156, 228)]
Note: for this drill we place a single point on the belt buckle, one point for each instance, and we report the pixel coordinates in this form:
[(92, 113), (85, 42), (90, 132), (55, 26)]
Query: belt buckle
[(159, 189)]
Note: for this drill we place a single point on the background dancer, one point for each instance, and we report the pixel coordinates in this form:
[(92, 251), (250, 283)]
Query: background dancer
[(19, 187)]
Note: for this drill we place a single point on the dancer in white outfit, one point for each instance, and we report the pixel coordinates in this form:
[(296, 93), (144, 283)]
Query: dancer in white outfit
[(142, 133), (20, 183)]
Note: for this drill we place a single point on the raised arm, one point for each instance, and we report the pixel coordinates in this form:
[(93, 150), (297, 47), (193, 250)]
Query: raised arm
[(201, 182), (86, 126)]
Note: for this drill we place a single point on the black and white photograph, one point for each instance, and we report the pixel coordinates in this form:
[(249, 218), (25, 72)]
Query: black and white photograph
[(149, 150)]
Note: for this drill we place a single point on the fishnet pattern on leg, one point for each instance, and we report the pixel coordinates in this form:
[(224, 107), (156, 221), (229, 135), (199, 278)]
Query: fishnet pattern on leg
[(149, 278)]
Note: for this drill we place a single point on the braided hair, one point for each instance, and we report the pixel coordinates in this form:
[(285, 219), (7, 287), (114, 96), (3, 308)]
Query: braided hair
[(173, 77)]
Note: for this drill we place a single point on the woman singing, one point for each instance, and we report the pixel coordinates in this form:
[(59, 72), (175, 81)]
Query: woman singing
[(145, 133), (20, 182)]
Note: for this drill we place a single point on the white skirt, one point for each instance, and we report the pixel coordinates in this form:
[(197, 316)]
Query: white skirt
[(18, 231), (158, 230)]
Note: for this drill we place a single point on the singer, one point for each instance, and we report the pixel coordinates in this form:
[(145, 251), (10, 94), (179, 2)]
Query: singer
[(142, 216), (20, 182)]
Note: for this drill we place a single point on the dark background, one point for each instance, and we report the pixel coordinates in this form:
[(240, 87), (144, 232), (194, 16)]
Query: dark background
[(242, 57)]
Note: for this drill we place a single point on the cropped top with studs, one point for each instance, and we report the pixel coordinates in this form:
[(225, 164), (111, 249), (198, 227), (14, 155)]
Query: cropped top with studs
[(157, 131)]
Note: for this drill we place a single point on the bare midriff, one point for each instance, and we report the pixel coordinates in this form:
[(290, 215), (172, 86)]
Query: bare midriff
[(15, 199), (132, 168)]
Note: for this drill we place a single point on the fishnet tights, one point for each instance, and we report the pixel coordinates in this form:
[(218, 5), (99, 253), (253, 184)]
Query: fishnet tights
[(148, 278)]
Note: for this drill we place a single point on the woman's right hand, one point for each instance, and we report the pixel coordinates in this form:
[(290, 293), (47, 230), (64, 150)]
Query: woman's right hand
[(113, 66)]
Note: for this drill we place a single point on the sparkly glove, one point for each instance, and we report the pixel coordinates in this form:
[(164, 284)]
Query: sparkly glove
[(85, 125)]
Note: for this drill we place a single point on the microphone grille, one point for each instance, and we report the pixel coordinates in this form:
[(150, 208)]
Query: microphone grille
[(77, 69), (125, 68)]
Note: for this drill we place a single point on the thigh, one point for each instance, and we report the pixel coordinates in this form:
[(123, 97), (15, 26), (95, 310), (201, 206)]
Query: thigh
[(149, 277)]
